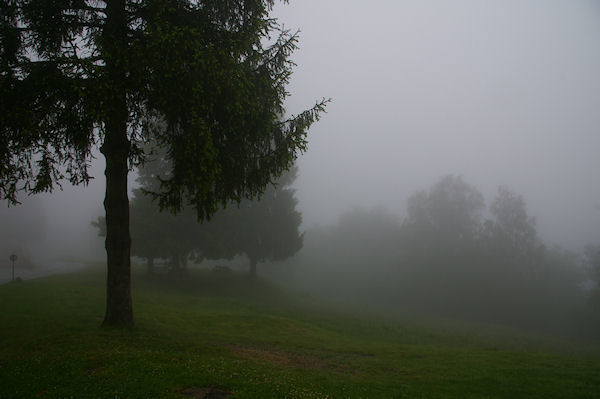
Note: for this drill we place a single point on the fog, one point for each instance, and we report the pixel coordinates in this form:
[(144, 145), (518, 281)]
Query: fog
[(52, 232), (502, 93), (497, 93)]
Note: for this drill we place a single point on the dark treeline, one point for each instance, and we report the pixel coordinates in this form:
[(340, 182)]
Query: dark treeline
[(453, 257), (265, 229)]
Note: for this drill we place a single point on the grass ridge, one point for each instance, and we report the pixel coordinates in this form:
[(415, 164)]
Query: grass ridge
[(250, 339)]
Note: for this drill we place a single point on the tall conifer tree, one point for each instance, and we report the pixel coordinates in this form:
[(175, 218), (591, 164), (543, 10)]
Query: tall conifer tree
[(206, 79)]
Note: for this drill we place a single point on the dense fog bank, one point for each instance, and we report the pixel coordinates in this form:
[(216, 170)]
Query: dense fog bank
[(451, 256)]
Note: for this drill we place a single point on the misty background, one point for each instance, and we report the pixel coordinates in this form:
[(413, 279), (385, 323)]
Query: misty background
[(497, 93), (501, 93)]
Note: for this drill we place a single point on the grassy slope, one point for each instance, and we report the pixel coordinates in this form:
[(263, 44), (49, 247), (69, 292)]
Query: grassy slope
[(250, 339)]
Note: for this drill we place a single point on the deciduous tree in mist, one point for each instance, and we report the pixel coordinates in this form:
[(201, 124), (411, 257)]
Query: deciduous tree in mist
[(444, 259), (266, 229), (158, 234), (84, 73), (448, 216), (512, 232), (592, 261)]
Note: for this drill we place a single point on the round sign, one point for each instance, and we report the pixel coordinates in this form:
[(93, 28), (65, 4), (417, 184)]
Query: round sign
[(13, 257)]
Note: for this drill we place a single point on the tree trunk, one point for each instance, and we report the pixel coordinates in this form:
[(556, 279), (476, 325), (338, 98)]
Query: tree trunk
[(174, 265), (253, 263), (150, 266), (179, 265), (184, 262), (118, 241), (115, 149)]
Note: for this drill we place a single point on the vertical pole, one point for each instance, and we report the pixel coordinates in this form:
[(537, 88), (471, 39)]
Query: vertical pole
[(13, 270)]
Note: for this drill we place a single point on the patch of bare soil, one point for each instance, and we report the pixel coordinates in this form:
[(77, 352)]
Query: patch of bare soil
[(289, 359), (206, 393)]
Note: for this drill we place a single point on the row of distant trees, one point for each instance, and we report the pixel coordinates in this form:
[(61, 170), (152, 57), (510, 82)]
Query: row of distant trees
[(455, 257), (592, 265), (266, 229)]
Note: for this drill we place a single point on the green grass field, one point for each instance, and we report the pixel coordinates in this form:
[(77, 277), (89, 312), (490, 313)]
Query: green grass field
[(217, 336)]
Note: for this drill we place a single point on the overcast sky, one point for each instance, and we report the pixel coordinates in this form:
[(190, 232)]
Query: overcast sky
[(499, 92)]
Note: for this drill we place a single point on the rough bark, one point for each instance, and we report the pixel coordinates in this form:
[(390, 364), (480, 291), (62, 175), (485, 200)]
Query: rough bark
[(118, 242), (115, 149)]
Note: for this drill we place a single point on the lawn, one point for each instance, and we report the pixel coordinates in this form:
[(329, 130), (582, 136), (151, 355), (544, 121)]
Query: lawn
[(224, 336)]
